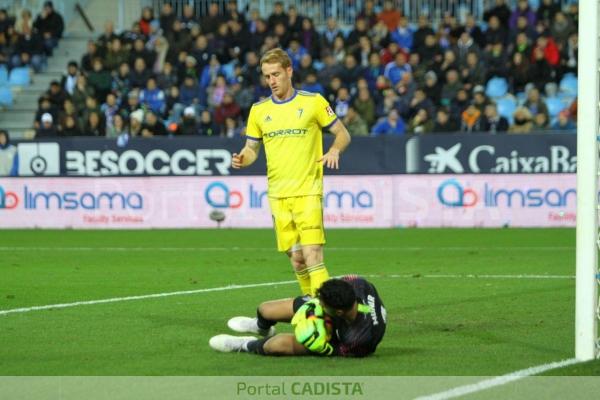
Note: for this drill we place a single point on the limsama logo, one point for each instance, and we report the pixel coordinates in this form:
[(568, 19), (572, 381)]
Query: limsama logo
[(218, 195), (442, 159), (37, 159), (452, 194), (8, 200)]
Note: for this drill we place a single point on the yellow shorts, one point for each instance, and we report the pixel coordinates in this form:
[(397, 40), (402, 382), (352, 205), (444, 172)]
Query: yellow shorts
[(298, 220)]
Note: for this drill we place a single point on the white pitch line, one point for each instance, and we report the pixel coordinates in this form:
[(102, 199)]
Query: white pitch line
[(400, 248), (497, 381), (142, 297), (252, 285)]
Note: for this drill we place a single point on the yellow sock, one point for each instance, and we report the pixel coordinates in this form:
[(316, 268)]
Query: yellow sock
[(304, 281), (317, 275)]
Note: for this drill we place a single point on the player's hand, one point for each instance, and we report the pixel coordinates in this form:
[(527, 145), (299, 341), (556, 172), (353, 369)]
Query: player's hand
[(331, 159), (312, 333), (237, 160)]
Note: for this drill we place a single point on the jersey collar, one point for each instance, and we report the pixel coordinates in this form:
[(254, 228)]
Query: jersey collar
[(284, 101)]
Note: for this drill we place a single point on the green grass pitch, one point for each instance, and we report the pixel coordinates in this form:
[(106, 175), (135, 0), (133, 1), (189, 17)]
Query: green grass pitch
[(459, 302)]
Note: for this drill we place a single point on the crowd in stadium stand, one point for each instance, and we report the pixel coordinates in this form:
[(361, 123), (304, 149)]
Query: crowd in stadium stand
[(512, 72)]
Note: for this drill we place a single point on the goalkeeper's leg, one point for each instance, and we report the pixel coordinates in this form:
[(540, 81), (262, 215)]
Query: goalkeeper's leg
[(283, 344)]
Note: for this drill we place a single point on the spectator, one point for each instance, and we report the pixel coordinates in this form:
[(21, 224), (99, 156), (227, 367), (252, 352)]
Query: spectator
[(296, 52), (145, 20), (392, 125), (227, 108), (496, 61), (480, 100), (140, 74), (294, 21), (140, 51), (189, 20), (471, 119), (463, 47), (374, 70), (117, 128), (390, 15), (94, 125), (431, 52), (82, 91), (107, 37), (45, 106), (451, 87), (402, 34), (57, 95), (354, 123), (541, 71), (473, 73), (350, 72), (420, 123), (492, 121), (380, 36), (305, 68), (171, 101), (564, 122), (523, 121), (278, 15), (546, 44), (331, 33), (136, 119), (46, 127), (167, 77), (547, 10), (424, 29), (311, 84), (232, 128), (69, 80), (153, 97), (365, 106), (24, 21), (91, 53), (100, 79), (116, 54), (540, 122), (361, 29), (167, 18), (368, 13), (363, 51), (432, 87), (121, 84), (9, 158), (338, 49), (496, 33), (500, 11), (29, 50), (207, 125), (475, 31), (50, 25), (519, 73), (535, 104), (444, 123), (448, 62), (309, 38), (524, 28), (70, 127), (569, 55), (523, 9), (109, 109), (188, 125), (330, 69), (342, 102), (395, 70), (216, 92), (153, 126)]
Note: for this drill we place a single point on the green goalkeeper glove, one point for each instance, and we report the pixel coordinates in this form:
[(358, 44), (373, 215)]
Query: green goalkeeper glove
[(310, 328)]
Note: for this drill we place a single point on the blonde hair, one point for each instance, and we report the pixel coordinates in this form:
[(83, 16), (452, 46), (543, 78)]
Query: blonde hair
[(275, 56)]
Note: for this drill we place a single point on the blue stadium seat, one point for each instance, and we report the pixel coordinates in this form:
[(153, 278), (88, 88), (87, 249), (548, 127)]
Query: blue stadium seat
[(6, 97), (506, 107), (555, 106), (3, 75), (19, 77), (568, 84), (496, 87)]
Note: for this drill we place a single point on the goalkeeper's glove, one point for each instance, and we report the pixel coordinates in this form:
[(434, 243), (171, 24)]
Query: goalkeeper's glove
[(310, 328)]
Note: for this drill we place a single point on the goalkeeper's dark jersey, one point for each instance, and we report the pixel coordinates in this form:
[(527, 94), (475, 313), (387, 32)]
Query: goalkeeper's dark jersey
[(361, 337)]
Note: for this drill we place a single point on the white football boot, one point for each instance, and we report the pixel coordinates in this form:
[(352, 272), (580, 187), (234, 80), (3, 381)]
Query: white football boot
[(230, 343), (249, 325)]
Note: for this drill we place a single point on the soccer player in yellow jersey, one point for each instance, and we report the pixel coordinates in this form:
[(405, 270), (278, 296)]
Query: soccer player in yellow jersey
[(289, 124)]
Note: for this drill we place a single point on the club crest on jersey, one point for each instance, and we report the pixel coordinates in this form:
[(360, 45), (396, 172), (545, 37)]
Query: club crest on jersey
[(268, 118), (300, 111), (329, 111)]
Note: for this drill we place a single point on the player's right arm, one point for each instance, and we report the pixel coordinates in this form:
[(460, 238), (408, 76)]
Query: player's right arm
[(247, 155), (250, 152)]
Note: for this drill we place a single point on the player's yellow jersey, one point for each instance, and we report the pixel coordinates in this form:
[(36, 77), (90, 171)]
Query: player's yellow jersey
[(291, 132)]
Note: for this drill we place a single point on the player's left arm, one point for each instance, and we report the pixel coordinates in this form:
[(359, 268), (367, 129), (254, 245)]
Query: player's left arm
[(331, 159)]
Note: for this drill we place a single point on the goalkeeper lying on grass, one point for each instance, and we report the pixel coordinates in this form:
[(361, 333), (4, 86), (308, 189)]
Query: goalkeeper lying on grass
[(347, 318)]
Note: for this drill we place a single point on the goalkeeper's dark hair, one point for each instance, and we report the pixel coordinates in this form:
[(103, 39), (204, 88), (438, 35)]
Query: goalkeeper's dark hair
[(337, 294)]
